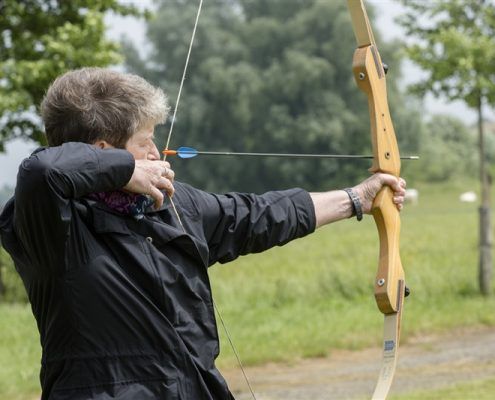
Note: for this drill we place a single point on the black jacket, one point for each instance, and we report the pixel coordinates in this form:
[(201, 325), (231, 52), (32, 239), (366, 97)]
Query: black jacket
[(124, 306)]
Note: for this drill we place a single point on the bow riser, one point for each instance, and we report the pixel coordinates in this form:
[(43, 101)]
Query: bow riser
[(389, 282), (370, 78)]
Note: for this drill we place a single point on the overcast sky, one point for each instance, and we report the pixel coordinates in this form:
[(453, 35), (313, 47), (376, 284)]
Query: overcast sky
[(387, 11)]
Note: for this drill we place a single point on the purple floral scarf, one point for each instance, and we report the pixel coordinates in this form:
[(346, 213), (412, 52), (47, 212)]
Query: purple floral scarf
[(123, 202)]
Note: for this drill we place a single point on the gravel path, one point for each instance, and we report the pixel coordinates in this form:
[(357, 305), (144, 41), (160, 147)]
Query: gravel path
[(424, 363)]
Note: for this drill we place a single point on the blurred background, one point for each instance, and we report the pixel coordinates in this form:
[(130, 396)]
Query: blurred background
[(275, 76)]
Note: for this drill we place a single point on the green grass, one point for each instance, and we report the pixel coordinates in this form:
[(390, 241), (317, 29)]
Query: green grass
[(315, 294), (477, 390), (20, 353)]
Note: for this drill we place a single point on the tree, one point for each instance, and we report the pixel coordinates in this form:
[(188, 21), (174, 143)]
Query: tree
[(457, 48), (265, 76), (447, 149), (40, 40)]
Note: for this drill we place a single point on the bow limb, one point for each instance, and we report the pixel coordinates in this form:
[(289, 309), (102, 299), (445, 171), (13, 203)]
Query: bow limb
[(389, 289)]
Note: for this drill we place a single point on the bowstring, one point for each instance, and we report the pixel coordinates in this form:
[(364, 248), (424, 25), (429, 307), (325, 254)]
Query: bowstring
[(238, 358), (172, 123)]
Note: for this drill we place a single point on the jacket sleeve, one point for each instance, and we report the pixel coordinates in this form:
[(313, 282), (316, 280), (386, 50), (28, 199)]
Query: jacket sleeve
[(49, 179), (235, 224)]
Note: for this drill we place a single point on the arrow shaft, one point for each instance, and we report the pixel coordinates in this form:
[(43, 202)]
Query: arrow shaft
[(288, 155), (293, 155)]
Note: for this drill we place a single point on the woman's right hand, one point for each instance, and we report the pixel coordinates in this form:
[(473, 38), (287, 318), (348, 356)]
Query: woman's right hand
[(150, 177)]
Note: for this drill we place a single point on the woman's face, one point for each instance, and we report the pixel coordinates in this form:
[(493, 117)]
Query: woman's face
[(142, 146)]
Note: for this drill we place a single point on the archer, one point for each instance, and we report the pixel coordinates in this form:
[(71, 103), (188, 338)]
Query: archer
[(119, 287)]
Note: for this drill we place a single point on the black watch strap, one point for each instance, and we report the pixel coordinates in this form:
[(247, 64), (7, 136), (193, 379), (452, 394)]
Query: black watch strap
[(356, 204)]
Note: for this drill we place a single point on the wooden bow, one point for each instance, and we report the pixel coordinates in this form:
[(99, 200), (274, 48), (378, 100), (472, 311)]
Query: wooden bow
[(369, 74)]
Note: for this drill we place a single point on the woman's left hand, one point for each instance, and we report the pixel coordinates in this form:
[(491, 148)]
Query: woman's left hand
[(369, 188)]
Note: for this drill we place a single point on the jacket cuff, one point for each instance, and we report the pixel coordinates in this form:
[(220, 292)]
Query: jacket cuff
[(117, 163), (305, 210)]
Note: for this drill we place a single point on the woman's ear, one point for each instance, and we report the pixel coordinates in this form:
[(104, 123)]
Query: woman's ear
[(103, 144)]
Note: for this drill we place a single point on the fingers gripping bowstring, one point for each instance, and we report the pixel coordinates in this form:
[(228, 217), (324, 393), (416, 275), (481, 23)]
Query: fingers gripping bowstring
[(172, 123)]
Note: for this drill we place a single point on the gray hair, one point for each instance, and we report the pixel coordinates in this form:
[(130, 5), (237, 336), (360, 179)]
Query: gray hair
[(91, 104)]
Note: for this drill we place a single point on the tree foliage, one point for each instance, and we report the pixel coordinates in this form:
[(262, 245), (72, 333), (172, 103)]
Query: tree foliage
[(447, 150), (40, 40), (456, 47), (265, 76)]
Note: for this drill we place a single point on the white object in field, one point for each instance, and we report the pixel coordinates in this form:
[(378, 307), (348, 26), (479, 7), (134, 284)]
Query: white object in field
[(468, 197), (412, 196)]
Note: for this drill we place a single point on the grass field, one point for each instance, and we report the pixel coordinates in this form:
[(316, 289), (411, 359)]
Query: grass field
[(315, 294), (20, 353), (478, 390)]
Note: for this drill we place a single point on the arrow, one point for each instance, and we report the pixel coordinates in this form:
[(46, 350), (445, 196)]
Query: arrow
[(189, 152)]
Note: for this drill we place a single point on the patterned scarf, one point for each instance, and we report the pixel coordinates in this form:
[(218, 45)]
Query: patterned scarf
[(123, 202)]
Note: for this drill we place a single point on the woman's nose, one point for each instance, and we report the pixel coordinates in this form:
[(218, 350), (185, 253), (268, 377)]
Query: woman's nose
[(154, 154)]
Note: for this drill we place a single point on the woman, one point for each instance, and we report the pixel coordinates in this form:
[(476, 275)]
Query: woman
[(119, 286)]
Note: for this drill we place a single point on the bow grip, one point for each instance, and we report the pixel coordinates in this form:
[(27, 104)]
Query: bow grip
[(389, 282)]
